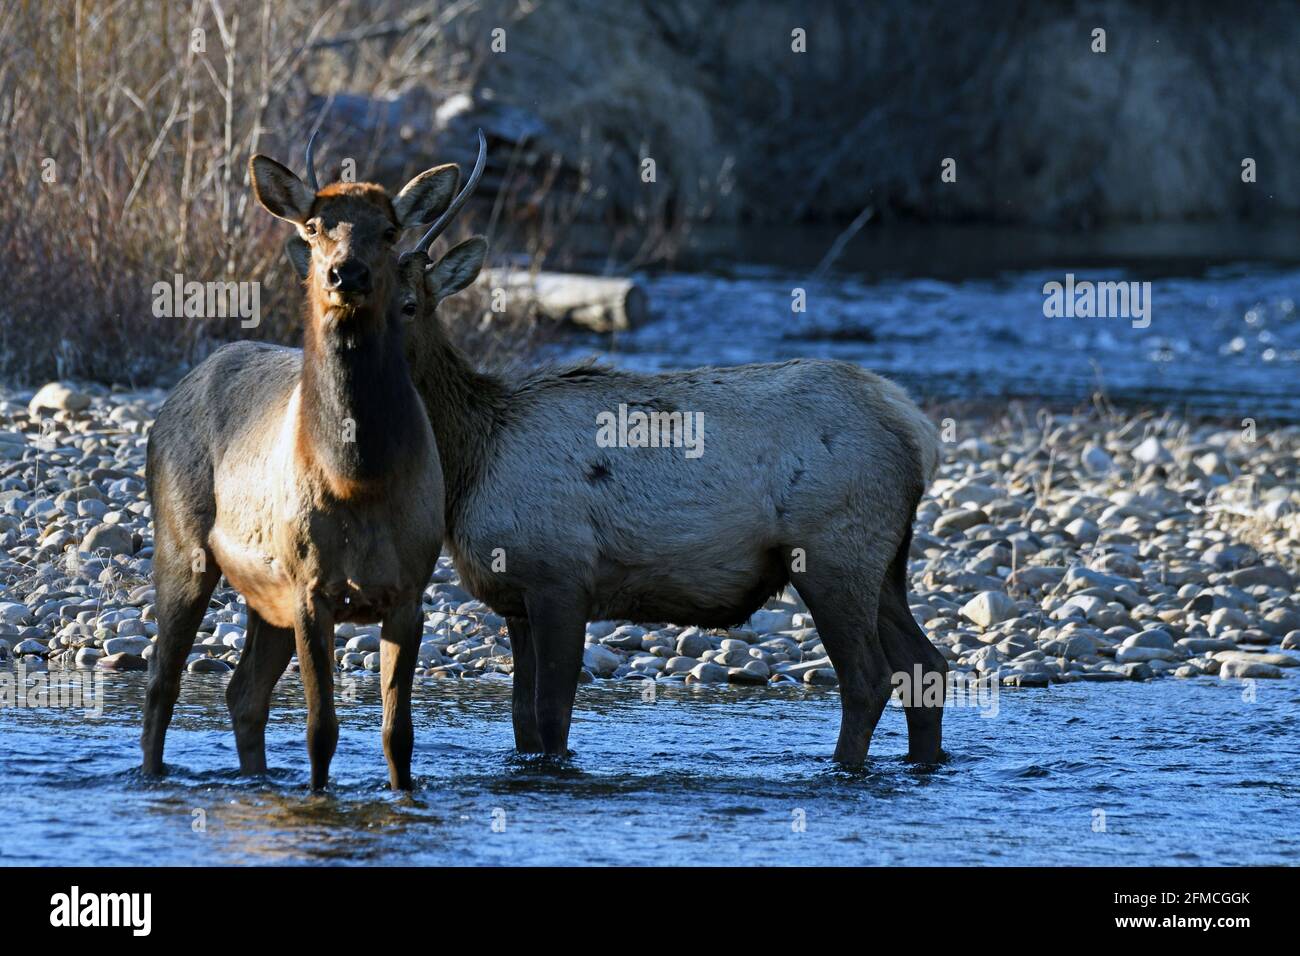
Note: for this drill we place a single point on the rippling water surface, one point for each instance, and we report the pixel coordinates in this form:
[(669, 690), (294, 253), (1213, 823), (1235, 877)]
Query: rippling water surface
[(1185, 772), (1226, 341)]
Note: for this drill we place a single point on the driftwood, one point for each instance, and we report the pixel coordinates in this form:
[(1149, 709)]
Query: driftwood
[(596, 303)]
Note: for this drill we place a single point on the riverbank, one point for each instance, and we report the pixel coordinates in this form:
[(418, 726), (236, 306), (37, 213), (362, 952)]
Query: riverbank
[(1053, 548)]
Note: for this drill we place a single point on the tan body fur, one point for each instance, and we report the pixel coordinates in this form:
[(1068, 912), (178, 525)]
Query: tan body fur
[(648, 534), (810, 474)]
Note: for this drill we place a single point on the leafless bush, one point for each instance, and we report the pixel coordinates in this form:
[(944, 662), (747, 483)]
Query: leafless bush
[(127, 127)]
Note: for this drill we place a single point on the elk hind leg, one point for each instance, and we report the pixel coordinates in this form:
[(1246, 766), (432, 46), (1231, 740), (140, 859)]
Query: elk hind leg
[(183, 589), (843, 606), (266, 654)]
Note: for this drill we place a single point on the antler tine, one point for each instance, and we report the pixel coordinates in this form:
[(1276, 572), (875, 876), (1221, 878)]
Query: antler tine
[(445, 219), (311, 164)]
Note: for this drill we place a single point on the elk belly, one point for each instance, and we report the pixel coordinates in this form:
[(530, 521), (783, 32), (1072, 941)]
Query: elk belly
[(259, 577)]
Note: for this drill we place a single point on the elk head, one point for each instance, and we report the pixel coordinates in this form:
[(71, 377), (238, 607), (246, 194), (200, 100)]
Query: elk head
[(459, 266), (347, 233)]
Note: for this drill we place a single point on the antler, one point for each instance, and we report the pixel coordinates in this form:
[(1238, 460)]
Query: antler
[(445, 219), (311, 165)]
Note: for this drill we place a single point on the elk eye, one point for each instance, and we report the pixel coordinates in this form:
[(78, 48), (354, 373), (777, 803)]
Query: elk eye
[(390, 235), (408, 309), (309, 228)]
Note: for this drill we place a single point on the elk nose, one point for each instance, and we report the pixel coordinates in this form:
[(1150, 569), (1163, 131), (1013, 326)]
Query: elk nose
[(349, 276)]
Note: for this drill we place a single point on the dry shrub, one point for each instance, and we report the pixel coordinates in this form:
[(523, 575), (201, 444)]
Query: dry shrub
[(128, 125)]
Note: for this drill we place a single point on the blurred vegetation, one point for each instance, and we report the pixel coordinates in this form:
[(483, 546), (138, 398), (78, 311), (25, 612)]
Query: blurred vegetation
[(1043, 129)]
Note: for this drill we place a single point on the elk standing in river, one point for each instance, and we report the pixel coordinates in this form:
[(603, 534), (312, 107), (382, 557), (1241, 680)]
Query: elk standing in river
[(309, 479), (811, 475)]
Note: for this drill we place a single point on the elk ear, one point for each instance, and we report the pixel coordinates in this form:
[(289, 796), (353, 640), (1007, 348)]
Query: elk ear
[(424, 198), (457, 269), (280, 192), (299, 252)]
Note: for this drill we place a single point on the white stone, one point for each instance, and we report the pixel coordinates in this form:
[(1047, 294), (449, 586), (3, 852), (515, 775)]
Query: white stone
[(600, 660), (58, 397), (989, 608)]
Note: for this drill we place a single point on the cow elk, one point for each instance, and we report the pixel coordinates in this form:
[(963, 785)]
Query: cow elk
[(810, 476), (310, 478)]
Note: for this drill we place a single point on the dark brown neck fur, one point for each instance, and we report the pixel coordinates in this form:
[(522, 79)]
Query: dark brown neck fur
[(357, 421)]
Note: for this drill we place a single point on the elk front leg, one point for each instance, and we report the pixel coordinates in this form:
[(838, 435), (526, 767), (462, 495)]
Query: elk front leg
[(314, 634), (523, 704), (397, 658), (556, 624)]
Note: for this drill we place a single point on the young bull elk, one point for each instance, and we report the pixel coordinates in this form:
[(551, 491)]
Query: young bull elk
[(811, 475), (310, 479)]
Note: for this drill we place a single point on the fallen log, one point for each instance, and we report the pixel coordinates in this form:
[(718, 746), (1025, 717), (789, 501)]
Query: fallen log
[(596, 303)]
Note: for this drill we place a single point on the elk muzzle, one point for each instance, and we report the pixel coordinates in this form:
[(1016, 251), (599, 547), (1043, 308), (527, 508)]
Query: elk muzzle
[(347, 280)]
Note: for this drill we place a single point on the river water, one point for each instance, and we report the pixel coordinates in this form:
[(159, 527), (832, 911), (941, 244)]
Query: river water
[(957, 313), (1181, 772)]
